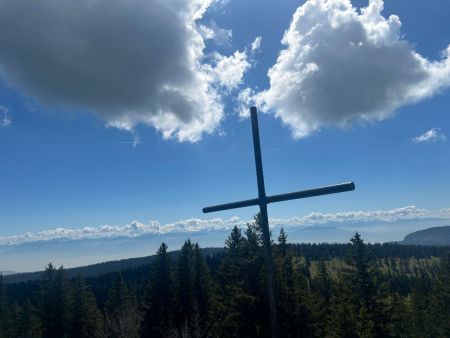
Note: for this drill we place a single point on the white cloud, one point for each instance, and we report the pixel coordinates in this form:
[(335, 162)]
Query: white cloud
[(392, 215), (256, 44), (230, 69), (341, 66), (127, 61), (135, 228), (5, 118), (220, 36), (431, 135)]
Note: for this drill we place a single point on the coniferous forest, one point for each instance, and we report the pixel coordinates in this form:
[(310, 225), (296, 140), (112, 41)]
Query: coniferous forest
[(322, 290)]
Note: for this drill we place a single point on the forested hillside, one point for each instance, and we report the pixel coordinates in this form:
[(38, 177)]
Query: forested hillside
[(430, 236), (322, 290)]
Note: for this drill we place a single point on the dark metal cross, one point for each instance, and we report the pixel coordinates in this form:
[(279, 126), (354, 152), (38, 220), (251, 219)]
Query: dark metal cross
[(262, 201)]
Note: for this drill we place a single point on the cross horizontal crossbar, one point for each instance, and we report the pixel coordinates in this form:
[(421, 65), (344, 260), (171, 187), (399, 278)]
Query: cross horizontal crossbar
[(332, 189)]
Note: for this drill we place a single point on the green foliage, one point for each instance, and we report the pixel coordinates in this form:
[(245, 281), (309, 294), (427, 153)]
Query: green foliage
[(322, 290), (29, 322), (360, 294), (54, 302), (121, 314), (5, 325), (86, 319), (440, 300), (159, 299)]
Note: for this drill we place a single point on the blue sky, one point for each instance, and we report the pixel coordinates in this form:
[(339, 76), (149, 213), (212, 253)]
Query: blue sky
[(71, 163)]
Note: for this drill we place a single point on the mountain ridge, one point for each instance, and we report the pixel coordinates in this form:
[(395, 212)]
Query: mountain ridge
[(430, 236)]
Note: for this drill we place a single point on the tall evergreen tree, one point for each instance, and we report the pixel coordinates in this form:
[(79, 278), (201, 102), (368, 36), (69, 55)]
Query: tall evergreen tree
[(321, 298), (54, 298), (362, 291), (234, 242), (86, 320), (202, 284), (282, 242), (158, 303), (420, 324), (184, 277), (441, 299), (29, 325), (122, 316), (4, 314)]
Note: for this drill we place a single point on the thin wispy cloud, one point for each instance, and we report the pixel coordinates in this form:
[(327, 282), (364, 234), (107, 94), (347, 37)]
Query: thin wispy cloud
[(432, 135), (220, 36), (136, 228), (5, 117), (134, 142)]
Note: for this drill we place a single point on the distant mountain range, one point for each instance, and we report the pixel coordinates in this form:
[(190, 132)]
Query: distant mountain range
[(7, 273), (430, 236), (34, 256), (437, 236), (99, 269)]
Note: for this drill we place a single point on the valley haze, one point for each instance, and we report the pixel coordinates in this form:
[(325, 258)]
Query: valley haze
[(79, 247)]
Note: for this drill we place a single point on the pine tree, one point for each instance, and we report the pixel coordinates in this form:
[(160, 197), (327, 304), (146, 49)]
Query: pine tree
[(324, 283), (441, 299), (30, 324), (256, 309), (282, 242), (243, 299), (362, 291), (86, 319), (231, 285), (398, 316), (202, 284), (54, 302), (419, 306), (234, 242), (5, 324), (122, 316), (321, 298), (184, 277), (294, 300), (158, 303)]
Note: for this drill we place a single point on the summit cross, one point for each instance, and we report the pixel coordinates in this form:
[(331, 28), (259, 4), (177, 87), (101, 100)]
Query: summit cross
[(263, 200)]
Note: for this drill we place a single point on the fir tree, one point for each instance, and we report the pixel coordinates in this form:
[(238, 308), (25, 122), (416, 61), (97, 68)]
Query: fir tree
[(294, 315), (419, 304), (234, 242), (54, 302), (202, 284), (86, 319), (282, 242), (122, 317), (4, 314), (362, 291), (29, 325), (158, 303), (441, 299), (185, 283)]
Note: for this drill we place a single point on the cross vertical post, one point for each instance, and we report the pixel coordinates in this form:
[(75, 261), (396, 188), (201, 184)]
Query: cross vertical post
[(264, 220), (262, 201)]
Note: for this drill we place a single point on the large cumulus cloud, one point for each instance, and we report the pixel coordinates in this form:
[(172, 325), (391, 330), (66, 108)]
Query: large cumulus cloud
[(342, 65), (128, 61)]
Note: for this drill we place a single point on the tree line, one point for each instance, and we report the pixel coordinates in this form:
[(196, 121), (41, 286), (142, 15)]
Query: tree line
[(223, 294)]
